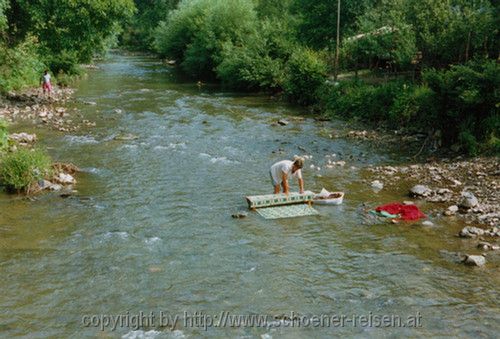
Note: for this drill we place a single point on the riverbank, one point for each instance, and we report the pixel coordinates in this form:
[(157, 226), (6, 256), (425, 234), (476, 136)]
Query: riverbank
[(459, 188), (44, 112), (31, 105)]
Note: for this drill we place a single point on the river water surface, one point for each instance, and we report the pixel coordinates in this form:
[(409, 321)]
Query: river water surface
[(150, 228)]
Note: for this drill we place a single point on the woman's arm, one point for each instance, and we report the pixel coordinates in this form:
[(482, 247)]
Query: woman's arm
[(301, 186)]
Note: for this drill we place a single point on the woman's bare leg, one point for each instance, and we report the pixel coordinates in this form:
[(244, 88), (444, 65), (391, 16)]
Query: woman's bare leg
[(276, 189)]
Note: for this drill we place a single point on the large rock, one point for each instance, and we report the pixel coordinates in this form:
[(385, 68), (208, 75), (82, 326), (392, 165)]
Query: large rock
[(23, 138), (475, 260), (65, 179), (377, 185), (468, 200), (420, 191), (471, 232), (451, 210)]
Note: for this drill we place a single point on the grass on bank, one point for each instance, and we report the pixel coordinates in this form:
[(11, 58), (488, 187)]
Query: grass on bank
[(21, 168)]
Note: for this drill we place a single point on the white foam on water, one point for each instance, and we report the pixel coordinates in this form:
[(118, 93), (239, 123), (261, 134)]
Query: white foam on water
[(91, 170), (174, 145), (152, 240), (129, 146), (140, 334), (80, 139), (222, 160), (121, 235), (160, 147)]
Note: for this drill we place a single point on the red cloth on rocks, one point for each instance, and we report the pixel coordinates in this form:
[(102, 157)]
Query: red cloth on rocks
[(406, 212)]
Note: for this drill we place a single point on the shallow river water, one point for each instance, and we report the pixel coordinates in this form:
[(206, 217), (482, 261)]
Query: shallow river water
[(150, 228)]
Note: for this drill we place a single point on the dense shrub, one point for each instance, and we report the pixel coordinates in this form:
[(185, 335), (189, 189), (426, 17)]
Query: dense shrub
[(461, 102), (467, 98), (306, 72), (355, 99), (21, 169), (197, 31), (414, 106), (65, 62), (19, 66), (258, 62), (4, 136)]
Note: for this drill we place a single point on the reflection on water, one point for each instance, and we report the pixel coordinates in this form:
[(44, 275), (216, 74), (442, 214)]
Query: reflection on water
[(151, 226)]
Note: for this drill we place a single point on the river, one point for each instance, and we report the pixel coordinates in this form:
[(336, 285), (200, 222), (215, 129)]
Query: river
[(150, 228)]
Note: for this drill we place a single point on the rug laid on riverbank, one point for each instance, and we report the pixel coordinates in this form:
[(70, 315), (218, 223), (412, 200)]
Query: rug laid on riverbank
[(288, 211)]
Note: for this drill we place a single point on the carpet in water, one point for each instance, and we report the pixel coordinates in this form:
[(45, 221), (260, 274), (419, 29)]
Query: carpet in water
[(288, 211)]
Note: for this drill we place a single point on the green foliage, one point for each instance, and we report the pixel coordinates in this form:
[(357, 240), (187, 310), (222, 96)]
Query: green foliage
[(462, 102), (451, 31), (67, 25), (318, 20), (258, 62), (386, 40), (19, 66), (306, 73), (140, 32), (197, 31), (467, 101), (4, 4), (21, 169), (64, 62), (414, 106), (274, 9), (4, 136), (355, 99)]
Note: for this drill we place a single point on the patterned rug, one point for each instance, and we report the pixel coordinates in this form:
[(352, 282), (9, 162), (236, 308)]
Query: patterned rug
[(288, 211)]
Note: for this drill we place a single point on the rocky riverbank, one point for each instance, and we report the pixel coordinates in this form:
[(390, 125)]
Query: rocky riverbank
[(49, 112), (31, 105), (460, 188)]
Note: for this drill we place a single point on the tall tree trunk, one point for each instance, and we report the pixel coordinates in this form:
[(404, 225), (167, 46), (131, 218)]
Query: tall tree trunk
[(467, 47)]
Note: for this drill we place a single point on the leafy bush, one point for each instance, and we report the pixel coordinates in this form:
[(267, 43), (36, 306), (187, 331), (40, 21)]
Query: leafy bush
[(258, 62), (355, 99), (461, 102), (414, 106), (20, 66), (306, 72), (4, 136), (467, 100), (21, 169), (197, 31), (65, 62)]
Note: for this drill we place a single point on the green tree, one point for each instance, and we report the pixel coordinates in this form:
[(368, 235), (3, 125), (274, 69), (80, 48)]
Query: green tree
[(384, 39), (453, 31), (139, 32), (318, 19), (3, 18), (467, 100), (196, 32), (76, 29)]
